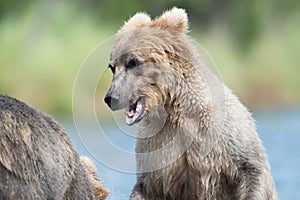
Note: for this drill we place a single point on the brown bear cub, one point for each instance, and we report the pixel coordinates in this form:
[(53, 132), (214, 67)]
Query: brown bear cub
[(195, 139), (38, 159)]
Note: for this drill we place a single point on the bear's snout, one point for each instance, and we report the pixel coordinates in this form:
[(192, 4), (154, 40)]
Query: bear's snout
[(112, 101)]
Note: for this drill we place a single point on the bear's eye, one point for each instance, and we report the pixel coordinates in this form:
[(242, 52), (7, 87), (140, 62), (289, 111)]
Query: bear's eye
[(132, 63), (112, 68)]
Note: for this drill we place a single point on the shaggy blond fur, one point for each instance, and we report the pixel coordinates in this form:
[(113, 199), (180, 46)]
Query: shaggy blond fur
[(100, 192), (195, 140)]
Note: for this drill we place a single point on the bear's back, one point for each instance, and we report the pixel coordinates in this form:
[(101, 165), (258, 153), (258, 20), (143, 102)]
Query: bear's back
[(37, 158)]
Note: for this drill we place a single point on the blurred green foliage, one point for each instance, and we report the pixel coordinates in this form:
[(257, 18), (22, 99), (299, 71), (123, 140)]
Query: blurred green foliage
[(255, 45)]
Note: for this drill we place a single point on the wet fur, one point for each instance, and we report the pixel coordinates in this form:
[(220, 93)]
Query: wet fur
[(37, 158), (222, 162)]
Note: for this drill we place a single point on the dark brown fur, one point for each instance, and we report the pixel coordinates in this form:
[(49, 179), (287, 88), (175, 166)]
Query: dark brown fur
[(37, 158)]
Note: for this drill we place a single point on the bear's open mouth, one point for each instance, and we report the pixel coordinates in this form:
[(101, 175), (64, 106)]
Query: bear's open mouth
[(134, 111)]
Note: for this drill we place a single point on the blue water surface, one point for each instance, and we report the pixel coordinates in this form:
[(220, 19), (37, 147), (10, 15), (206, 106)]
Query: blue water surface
[(279, 132)]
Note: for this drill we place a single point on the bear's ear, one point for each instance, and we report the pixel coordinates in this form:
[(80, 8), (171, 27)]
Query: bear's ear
[(175, 19), (138, 20)]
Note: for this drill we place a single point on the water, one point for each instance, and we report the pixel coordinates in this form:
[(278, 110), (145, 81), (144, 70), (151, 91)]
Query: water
[(279, 131)]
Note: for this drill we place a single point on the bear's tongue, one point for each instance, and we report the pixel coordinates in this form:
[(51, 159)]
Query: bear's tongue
[(134, 111)]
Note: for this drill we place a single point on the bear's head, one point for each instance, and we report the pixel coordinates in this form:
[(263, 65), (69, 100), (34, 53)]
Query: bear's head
[(149, 62)]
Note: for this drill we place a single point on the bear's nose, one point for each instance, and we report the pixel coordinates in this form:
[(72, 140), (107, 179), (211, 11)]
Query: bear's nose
[(111, 100)]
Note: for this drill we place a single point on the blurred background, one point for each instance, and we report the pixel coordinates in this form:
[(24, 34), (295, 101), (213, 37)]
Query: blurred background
[(255, 45)]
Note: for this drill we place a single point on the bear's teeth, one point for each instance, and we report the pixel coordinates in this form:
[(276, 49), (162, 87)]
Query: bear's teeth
[(133, 112)]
